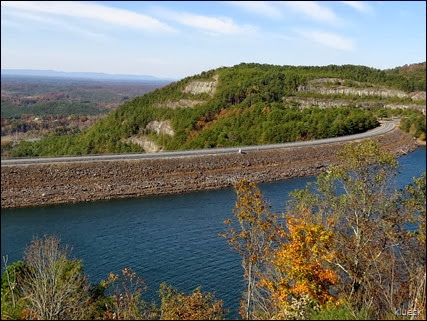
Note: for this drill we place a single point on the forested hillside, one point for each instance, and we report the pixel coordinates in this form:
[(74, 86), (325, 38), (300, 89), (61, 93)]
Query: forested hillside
[(244, 105), (414, 73)]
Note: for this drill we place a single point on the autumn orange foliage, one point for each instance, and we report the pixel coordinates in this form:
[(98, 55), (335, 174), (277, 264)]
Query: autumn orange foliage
[(196, 306), (301, 262)]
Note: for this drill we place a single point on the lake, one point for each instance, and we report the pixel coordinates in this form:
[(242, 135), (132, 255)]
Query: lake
[(170, 239)]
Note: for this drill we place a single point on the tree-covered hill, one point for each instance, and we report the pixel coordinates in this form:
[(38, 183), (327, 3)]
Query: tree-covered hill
[(242, 105), (414, 73)]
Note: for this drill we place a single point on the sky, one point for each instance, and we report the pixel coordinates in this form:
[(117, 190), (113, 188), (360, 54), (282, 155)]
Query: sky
[(176, 39)]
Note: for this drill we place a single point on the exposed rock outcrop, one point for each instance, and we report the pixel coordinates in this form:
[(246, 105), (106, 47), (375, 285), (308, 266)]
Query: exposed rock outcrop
[(163, 127), (378, 92), (328, 103), (332, 81), (420, 95), (182, 103), (329, 86), (145, 142), (202, 87)]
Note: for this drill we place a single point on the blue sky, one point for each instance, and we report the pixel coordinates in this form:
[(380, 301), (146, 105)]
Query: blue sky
[(176, 39)]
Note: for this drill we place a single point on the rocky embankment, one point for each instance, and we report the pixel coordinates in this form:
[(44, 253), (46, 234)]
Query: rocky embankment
[(45, 184), (333, 86), (363, 89), (328, 103)]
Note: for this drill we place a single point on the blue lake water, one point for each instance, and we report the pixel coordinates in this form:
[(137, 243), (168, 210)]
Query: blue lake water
[(170, 239)]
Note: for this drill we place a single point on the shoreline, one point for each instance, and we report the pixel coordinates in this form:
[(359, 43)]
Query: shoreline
[(48, 184)]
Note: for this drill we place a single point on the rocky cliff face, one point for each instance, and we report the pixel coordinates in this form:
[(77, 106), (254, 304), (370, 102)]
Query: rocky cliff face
[(148, 145), (329, 86), (329, 103), (145, 142), (182, 103), (202, 87), (378, 92), (161, 127), (420, 95)]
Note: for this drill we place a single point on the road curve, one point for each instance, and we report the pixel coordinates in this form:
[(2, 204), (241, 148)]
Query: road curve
[(385, 127)]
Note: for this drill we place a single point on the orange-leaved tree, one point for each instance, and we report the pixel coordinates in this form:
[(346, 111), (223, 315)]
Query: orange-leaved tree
[(197, 306), (305, 280)]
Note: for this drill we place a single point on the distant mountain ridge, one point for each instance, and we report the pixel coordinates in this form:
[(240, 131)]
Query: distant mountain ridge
[(81, 75)]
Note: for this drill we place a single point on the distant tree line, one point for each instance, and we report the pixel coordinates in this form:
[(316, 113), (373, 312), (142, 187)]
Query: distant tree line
[(9, 110)]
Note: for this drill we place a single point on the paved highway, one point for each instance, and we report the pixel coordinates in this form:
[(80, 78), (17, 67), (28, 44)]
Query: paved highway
[(385, 127)]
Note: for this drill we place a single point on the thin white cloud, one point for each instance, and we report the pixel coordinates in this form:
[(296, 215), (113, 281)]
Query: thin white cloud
[(359, 5), (43, 19), (98, 12), (264, 8), (328, 39), (209, 24), (312, 10)]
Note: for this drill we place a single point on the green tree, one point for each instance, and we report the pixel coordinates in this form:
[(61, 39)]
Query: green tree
[(11, 296), (416, 203)]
